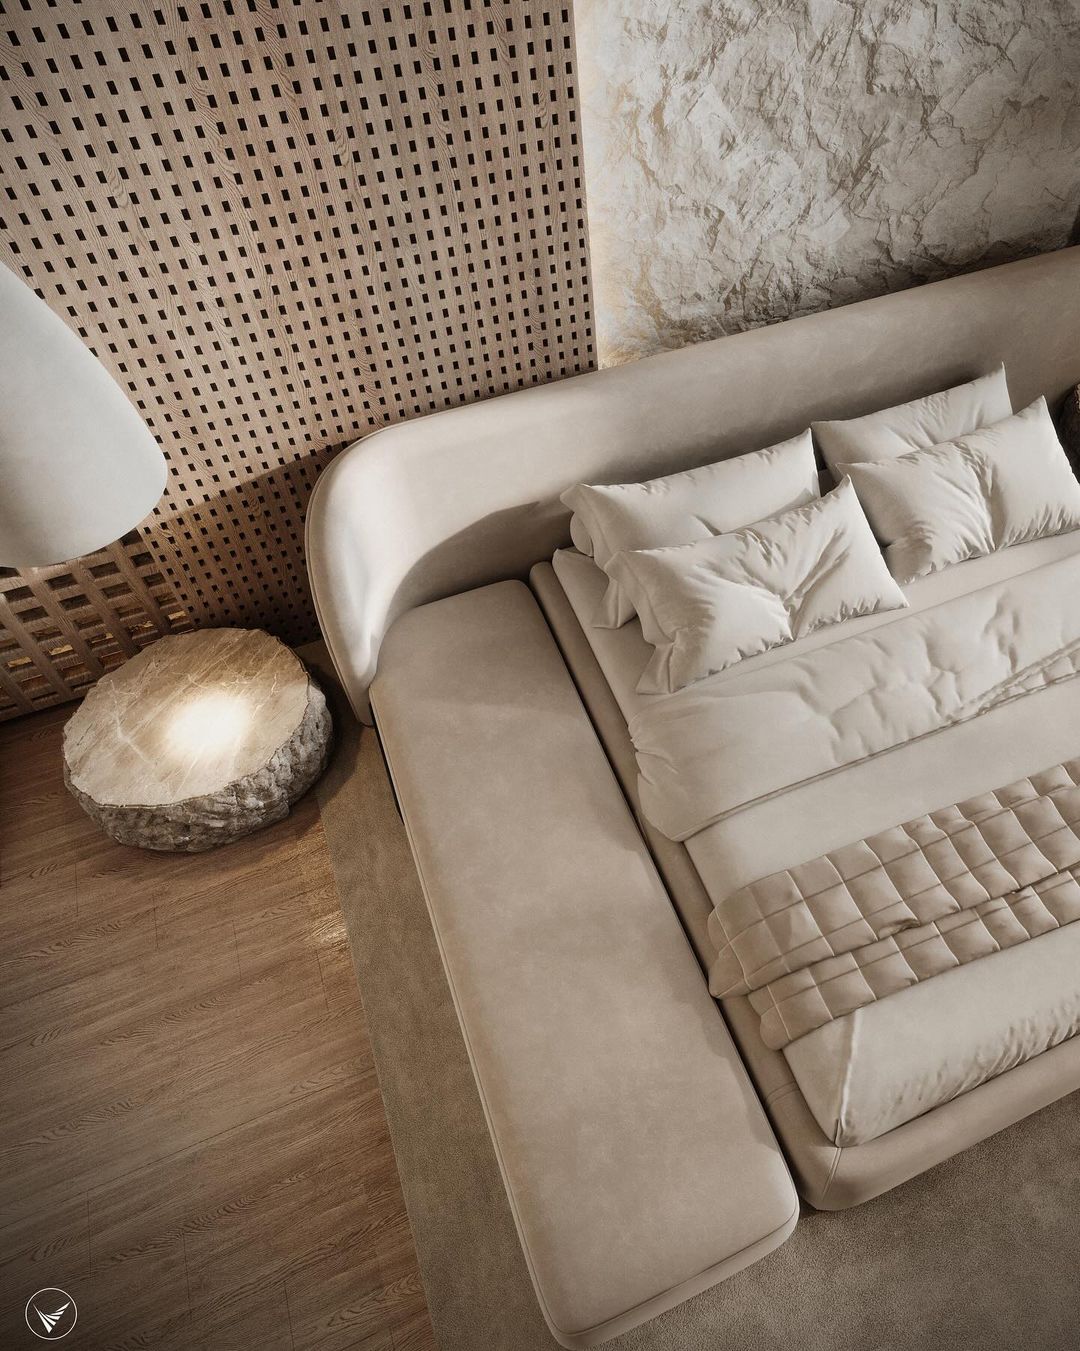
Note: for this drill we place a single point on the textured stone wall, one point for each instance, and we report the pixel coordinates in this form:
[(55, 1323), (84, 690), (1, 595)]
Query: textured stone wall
[(747, 161)]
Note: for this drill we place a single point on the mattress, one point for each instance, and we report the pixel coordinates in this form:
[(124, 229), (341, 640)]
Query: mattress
[(874, 1069)]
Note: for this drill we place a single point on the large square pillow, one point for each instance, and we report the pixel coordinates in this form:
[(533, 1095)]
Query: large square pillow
[(706, 605), (682, 508), (916, 425), (1004, 484)]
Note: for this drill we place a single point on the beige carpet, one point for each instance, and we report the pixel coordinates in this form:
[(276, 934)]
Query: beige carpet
[(982, 1252)]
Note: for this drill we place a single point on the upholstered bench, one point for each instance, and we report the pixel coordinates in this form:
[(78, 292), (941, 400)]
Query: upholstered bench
[(639, 1165)]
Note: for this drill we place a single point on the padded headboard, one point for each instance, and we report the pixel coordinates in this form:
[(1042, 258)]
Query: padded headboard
[(451, 501)]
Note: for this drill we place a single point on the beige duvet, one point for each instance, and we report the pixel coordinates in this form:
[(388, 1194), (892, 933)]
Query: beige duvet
[(717, 747), (890, 1060), (816, 940)]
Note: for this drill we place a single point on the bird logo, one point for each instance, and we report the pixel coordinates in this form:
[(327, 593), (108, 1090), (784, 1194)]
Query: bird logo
[(50, 1314)]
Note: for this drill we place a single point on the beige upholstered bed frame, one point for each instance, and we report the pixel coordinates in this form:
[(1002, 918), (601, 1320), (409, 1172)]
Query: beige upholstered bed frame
[(443, 503), (435, 507)]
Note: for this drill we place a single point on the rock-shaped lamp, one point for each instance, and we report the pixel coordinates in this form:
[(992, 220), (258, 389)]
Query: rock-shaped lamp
[(78, 466)]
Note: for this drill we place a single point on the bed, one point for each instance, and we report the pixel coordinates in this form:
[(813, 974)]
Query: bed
[(884, 1065), (861, 1098)]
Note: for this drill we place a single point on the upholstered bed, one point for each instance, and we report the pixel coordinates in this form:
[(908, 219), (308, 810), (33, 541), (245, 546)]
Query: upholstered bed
[(746, 783), (862, 1075)]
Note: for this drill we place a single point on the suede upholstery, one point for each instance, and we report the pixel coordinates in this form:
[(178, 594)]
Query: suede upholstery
[(435, 505), (639, 1164)]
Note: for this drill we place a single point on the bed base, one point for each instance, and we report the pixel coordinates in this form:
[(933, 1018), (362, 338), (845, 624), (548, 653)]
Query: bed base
[(636, 1156)]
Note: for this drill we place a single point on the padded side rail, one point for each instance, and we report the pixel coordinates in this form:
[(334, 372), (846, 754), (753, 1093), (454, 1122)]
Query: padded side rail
[(638, 1162)]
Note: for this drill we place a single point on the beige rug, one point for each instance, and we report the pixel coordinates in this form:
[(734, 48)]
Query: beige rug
[(981, 1253)]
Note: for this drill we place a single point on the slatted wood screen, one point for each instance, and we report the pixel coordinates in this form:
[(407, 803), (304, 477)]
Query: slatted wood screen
[(281, 224)]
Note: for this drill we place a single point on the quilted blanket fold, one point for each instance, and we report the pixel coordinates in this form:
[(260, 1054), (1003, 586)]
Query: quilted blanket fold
[(819, 940)]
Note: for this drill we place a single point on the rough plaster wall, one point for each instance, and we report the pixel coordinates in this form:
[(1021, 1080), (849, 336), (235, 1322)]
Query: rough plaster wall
[(748, 160)]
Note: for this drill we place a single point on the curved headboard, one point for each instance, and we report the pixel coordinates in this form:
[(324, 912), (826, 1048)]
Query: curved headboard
[(434, 506)]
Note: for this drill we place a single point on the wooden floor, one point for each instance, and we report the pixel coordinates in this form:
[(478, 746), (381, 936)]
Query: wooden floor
[(192, 1140)]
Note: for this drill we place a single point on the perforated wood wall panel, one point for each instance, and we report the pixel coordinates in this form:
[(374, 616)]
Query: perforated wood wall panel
[(282, 224)]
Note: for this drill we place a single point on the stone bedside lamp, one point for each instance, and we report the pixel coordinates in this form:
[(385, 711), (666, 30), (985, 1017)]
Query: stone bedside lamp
[(198, 740), (202, 737)]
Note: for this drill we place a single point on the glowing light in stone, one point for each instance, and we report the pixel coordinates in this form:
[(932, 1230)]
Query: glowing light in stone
[(210, 724)]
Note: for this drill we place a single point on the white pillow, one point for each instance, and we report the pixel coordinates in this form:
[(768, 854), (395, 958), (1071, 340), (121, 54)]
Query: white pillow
[(689, 506), (1004, 484), (580, 537), (707, 605), (916, 425)]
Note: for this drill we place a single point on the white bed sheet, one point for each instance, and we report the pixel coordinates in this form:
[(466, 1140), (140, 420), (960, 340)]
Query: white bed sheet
[(887, 1063)]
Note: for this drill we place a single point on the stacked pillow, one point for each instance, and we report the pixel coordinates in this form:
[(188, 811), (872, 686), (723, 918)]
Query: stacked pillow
[(707, 605), (917, 425), (1004, 484), (955, 475), (682, 508), (723, 562)]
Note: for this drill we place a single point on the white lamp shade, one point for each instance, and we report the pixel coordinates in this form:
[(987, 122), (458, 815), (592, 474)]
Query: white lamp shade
[(78, 466)]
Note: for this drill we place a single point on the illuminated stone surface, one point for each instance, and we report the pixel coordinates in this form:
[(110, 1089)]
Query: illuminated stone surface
[(197, 741)]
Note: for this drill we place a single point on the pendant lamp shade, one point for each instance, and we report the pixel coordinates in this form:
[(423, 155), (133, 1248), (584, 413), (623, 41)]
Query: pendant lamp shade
[(78, 466)]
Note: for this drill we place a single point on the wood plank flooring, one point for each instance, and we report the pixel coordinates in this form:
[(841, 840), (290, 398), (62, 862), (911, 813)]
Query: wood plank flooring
[(192, 1139)]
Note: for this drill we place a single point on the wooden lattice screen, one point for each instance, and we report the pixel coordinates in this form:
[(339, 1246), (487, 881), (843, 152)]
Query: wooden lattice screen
[(281, 224), (64, 626)]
